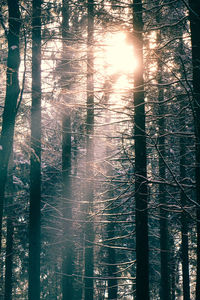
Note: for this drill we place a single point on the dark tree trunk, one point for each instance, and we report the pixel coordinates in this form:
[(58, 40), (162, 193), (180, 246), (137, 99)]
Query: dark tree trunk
[(110, 228), (89, 230), (112, 267), (35, 162), (183, 175), (12, 93), (194, 13), (173, 270), (164, 235), (9, 260), (184, 215), (9, 243), (67, 266), (184, 251), (141, 191)]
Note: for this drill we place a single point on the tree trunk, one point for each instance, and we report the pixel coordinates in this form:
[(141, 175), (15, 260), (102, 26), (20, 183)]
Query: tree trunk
[(89, 229), (141, 191), (110, 228), (184, 215), (12, 93), (35, 162), (164, 235), (112, 267), (67, 266), (194, 14), (9, 243)]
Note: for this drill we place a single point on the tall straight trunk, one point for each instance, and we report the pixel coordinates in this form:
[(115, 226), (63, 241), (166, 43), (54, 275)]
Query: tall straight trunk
[(112, 267), (12, 93), (183, 174), (9, 260), (184, 219), (35, 161), (67, 265), (9, 243), (110, 228), (174, 274), (89, 228), (164, 236), (141, 194), (111, 251), (184, 215), (194, 13)]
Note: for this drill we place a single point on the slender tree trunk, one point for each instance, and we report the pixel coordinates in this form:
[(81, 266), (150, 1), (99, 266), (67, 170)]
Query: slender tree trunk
[(89, 230), (164, 235), (110, 228), (9, 260), (9, 243), (194, 13), (184, 251), (12, 93), (184, 215), (141, 191), (67, 267), (35, 162), (112, 267), (173, 270), (183, 174)]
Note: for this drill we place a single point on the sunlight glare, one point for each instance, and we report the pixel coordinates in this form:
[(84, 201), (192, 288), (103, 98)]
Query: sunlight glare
[(119, 54)]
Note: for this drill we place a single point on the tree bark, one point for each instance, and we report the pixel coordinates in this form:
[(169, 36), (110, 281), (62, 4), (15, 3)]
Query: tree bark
[(184, 214), (110, 228), (194, 14), (89, 228), (12, 93), (9, 243), (112, 267), (141, 191), (35, 161), (67, 266), (164, 234)]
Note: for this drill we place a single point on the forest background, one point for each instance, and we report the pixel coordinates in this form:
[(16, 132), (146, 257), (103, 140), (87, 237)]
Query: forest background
[(100, 149)]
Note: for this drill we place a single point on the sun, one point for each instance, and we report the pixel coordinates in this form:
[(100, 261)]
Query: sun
[(119, 55)]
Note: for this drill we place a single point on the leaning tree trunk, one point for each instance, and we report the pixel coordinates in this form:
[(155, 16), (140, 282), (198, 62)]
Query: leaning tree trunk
[(35, 162), (89, 230), (141, 194), (194, 13), (67, 265), (12, 93)]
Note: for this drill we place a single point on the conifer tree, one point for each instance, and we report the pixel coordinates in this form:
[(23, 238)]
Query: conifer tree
[(35, 160), (141, 191)]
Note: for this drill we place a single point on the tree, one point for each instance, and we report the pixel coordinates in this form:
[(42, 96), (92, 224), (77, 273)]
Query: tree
[(9, 241), (164, 235), (12, 93), (141, 191), (89, 230), (67, 280), (35, 160), (183, 196), (194, 13), (110, 163)]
